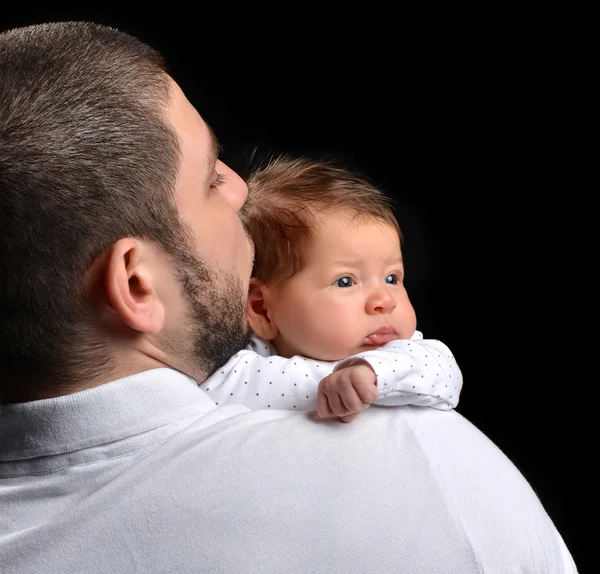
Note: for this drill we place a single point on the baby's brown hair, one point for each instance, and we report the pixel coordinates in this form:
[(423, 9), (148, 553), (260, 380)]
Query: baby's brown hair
[(286, 193)]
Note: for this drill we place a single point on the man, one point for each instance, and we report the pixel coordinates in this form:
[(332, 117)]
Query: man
[(125, 270)]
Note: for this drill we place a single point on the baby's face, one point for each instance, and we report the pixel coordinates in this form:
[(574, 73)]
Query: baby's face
[(348, 297)]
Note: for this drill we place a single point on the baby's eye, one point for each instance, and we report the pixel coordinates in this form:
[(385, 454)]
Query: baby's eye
[(344, 282), (392, 279)]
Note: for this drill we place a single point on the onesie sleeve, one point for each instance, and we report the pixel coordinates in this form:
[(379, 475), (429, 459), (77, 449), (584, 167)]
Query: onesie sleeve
[(418, 371), (421, 372), (258, 378)]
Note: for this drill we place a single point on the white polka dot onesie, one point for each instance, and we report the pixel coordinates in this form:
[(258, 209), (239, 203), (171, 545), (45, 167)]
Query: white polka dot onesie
[(418, 371)]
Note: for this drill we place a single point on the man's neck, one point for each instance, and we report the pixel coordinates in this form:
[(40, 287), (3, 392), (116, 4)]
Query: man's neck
[(125, 367)]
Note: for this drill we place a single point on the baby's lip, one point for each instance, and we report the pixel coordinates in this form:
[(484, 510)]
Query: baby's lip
[(382, 336)]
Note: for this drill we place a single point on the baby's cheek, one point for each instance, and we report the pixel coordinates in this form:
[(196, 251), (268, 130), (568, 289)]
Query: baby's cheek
[(408, 321), (301, 334), (338, 343), (320, 342)]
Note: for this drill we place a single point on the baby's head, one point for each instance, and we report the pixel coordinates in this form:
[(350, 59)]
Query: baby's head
[(328, 272)]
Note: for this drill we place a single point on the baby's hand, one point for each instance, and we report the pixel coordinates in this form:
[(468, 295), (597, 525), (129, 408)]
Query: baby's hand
[(347, 392)]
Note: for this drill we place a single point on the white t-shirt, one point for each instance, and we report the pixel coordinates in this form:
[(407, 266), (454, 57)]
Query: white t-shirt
[(147, 475), (418, 371)]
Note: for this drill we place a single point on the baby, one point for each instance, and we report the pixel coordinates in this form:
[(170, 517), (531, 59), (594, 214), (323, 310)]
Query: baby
[(333, 327)]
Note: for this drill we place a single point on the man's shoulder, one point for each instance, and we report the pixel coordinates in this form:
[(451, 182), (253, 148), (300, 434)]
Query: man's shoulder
[(413, 462)]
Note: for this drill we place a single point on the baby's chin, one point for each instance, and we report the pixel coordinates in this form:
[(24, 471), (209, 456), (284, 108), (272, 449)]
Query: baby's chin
[(325, 355), (369, 347), (333, 355), (338, 355)]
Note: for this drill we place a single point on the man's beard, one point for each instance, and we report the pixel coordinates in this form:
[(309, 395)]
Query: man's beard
[(216, 318)]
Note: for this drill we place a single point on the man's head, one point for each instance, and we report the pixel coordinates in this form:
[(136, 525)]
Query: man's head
[(328, 274), (120, 243)]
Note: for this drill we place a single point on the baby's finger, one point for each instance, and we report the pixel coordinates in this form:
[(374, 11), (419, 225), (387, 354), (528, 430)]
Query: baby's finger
[(336, 404), (366, 389), (348, 418), (352, 401), (323, 409)]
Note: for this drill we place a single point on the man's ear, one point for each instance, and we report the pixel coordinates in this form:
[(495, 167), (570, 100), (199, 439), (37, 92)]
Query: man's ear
[(129, 286), (259, 316)]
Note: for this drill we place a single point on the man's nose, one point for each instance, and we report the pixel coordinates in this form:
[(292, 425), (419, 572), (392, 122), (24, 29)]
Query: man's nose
[(234, 189), (381, 301)]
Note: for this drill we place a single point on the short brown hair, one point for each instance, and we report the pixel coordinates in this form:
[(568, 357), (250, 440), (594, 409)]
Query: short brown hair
[(87, 157), (286, 193)]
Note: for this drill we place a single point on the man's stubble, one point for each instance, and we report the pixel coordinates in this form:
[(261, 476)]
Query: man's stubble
[(216, 318)]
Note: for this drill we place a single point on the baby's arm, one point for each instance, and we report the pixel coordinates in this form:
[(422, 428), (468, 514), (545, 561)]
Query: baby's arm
[(259, 379), (418, 371)]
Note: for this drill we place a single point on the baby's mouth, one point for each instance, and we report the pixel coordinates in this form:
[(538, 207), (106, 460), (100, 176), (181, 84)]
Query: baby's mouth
[(381, 336)]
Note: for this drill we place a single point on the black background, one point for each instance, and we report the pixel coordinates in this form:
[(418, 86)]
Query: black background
[(457, 116)]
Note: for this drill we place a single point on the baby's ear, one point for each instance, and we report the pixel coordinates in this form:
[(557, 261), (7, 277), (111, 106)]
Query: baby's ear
[(259, 316)]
